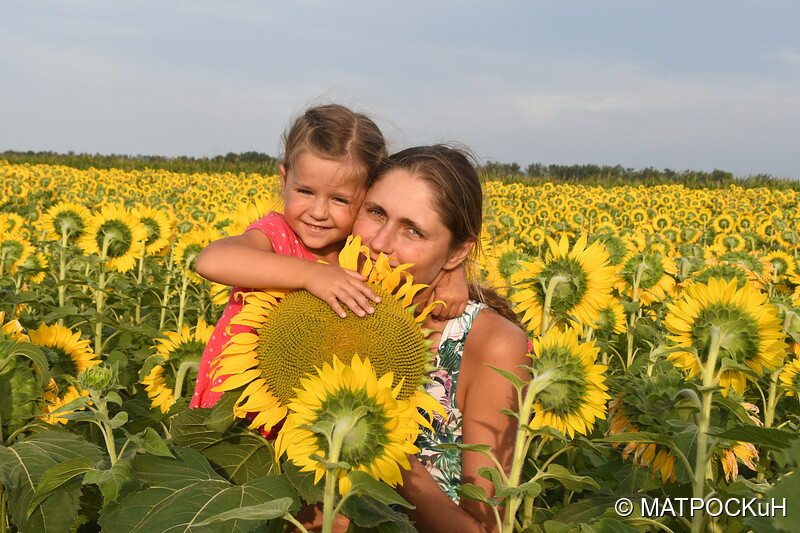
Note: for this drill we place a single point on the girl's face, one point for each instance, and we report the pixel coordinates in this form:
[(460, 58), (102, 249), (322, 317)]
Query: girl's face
[(399, 218), (321, 201)]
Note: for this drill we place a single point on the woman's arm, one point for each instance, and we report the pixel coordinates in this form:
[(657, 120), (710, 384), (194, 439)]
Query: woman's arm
[(248, 260), (481, 394)]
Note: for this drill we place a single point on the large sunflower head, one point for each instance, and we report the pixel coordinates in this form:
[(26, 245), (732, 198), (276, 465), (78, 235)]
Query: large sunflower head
[(189, 246), (116, 232), (181, 347), (650, 274), (580, 283), (296, 333), (577, 396), (65, 220), (66, 352), (748, 326), (346, 414)]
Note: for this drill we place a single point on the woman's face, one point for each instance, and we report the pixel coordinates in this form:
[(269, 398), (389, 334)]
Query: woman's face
[(398, 218)]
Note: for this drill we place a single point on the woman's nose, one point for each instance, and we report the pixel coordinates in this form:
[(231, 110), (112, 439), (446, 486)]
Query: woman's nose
[(382, 241)]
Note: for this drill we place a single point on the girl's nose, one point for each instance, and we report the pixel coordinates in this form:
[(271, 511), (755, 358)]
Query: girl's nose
[(319, 209)]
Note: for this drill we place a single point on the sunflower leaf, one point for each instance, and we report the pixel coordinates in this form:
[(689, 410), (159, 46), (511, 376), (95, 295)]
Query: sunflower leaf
[(369, 514), (151, 442), (485, 449), (517, 381), (638, 436), (569, 479), (364, 483), (221, 418), (476, 493), (770, 437), (56, 477), (327, 464), (261, 511), (9, 349), (303, 482), (110, 481)]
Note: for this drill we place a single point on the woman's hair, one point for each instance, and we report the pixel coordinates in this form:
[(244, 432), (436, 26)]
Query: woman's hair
[(337, 133), (458, 199)]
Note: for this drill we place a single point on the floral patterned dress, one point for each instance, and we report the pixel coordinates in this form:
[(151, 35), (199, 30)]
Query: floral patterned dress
[(445, 465)]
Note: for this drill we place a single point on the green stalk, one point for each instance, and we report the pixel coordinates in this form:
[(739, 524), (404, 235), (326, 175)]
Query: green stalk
[(702, 469), (3, 509), (184, 369), (139, 279), (165, 296), (99, 298), (328, 507), (536, 385), (637, 280), (182, 296), (548, 301), (62, 272)]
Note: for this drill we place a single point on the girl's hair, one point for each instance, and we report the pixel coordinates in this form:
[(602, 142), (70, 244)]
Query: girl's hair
[(337, 133), (458, 199)]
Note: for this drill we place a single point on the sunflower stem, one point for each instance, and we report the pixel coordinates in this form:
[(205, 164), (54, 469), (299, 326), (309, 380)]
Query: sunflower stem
[(62, 272), (99, 297), (702, 468), (137, 317), (554, 282), (184, 369), (165, 296), (328, 507), (537, 384), (769, 417), (182, 296)]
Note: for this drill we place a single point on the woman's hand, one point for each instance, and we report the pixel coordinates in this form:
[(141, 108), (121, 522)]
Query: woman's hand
[(335, 284)]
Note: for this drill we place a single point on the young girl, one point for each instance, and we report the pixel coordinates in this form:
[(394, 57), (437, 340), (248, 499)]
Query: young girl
[(331, 154)]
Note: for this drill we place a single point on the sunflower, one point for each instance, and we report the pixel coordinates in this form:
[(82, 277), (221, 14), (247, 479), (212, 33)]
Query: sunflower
[(157, 223), (656, 280), (581, 282), (65, 219), (297, 332), (784, 265), (189, 247), (744, 452), (36, 267), (118, 233), (11, 330), (252, 210), (55, 401), (177, 348), (748, 325), (577, 396), (345, 413), (788, 377), (612, 319), (14, 251), (68, 354)]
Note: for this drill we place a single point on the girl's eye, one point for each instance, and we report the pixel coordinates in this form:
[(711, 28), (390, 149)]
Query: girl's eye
[(303, 191), (341, 201)]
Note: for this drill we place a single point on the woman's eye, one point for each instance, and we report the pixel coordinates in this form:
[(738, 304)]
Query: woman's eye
[(415, 232), (375, 213)]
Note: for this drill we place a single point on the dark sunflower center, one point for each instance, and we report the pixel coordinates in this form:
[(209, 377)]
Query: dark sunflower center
[(568, 293), (739, 337), (120, 238), (566, 394), (302, 333), (363, 422)]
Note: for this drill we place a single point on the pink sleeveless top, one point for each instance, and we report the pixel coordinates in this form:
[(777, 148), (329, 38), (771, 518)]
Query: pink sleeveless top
[(284, 242)]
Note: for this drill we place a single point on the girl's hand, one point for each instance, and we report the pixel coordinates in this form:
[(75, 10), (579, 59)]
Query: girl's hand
[(335, 284), (452, 289)]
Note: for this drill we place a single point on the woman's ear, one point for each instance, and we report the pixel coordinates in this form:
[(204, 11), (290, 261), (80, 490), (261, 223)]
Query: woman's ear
[(459, 254)]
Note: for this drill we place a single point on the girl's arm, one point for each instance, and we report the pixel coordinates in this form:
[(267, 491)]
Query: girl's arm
[(248, 260), (482, 393), (453, 290)]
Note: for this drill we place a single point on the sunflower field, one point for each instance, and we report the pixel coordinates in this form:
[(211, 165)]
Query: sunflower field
[(664, 324)]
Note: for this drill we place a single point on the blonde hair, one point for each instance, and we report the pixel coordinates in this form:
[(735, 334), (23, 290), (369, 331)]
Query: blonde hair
[(337, 133)]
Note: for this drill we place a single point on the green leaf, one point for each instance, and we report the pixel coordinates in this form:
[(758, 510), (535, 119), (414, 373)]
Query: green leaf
[(517, 381), (770, 437), (119, 420), (637, 436), (368, 514), (221, 418), (187, 467), (261, 511), (570, 480), (151, 442), (57, 477), (476, 493), (29, 351), (364, 483), (303, 482), (610, 525), (485, 449), (22, 467), (529, 488), (110, 481), (734, 407)]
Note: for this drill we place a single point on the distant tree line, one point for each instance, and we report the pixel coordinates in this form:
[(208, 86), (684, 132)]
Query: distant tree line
[(257, 162), (247, 162)]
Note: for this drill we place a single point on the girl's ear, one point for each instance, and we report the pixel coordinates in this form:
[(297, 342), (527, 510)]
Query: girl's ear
[(459, 254), (282, 170)]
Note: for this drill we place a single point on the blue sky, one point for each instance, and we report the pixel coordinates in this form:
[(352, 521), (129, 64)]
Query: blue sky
[(696, 85)]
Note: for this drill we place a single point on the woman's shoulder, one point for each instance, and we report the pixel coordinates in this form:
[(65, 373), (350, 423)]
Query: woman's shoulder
[(493, 337)]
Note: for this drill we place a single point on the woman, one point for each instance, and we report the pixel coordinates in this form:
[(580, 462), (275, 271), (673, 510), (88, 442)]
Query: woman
[(425, 208)]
